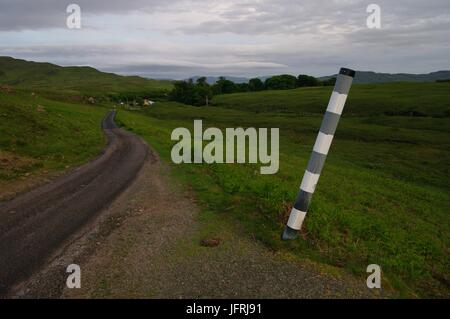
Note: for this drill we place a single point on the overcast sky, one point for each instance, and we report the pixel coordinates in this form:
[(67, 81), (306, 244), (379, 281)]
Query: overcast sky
[(182, 38)]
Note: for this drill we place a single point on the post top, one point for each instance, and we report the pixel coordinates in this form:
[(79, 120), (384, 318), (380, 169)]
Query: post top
[(348, 72)]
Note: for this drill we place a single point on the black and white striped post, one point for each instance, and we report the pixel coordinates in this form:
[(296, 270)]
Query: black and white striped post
[(311, 177)]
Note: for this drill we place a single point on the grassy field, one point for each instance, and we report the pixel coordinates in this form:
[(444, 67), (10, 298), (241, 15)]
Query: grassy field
[(383, 196), (405, 99), (42, 135)]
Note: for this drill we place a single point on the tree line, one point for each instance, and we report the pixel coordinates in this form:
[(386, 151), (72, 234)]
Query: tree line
[(201, 92)]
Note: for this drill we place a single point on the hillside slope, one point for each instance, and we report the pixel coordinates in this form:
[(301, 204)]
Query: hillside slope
[(39, 137), (86, 80)]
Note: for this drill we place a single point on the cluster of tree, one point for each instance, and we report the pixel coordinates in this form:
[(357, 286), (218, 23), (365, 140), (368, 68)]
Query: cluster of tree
[(200, 92), (188, 92)]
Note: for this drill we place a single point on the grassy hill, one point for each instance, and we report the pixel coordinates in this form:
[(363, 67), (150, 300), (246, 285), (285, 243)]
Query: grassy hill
[(39, 137), (85, 80)]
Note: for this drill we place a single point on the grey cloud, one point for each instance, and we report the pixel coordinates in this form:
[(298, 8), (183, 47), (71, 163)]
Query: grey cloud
[(38, 14), (262, 17), (170, 71), (280, 17), (259, 37), (149, 62)]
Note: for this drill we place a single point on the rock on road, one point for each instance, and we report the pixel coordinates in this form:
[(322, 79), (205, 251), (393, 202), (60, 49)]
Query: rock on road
[(34, 224)]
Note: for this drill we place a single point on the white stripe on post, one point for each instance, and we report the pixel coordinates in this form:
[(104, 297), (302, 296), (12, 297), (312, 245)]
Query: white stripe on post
[(296, 218), (337, 102), (323, 143), (309, 182)]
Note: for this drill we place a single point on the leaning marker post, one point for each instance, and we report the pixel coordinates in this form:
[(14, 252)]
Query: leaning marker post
[(310, 178)]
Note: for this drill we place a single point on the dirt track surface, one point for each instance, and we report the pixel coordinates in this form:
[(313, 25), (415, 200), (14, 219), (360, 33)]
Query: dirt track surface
[(35, 224), (149, 247)]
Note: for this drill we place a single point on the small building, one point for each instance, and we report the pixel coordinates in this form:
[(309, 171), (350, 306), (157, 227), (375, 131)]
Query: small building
[(148, 102)]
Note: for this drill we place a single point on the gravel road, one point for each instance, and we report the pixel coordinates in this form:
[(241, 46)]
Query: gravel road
[(35, 224)]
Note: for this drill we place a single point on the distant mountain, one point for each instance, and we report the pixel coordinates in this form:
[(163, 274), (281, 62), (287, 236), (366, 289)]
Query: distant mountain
[(374, 77), (35, 75)]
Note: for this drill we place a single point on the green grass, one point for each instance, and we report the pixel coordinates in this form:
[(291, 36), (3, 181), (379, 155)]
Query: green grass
[(420, 99), (41, 134), (382, 198)]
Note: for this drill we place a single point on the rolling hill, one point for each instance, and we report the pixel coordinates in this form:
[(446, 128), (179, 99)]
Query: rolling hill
[(85, 80)]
